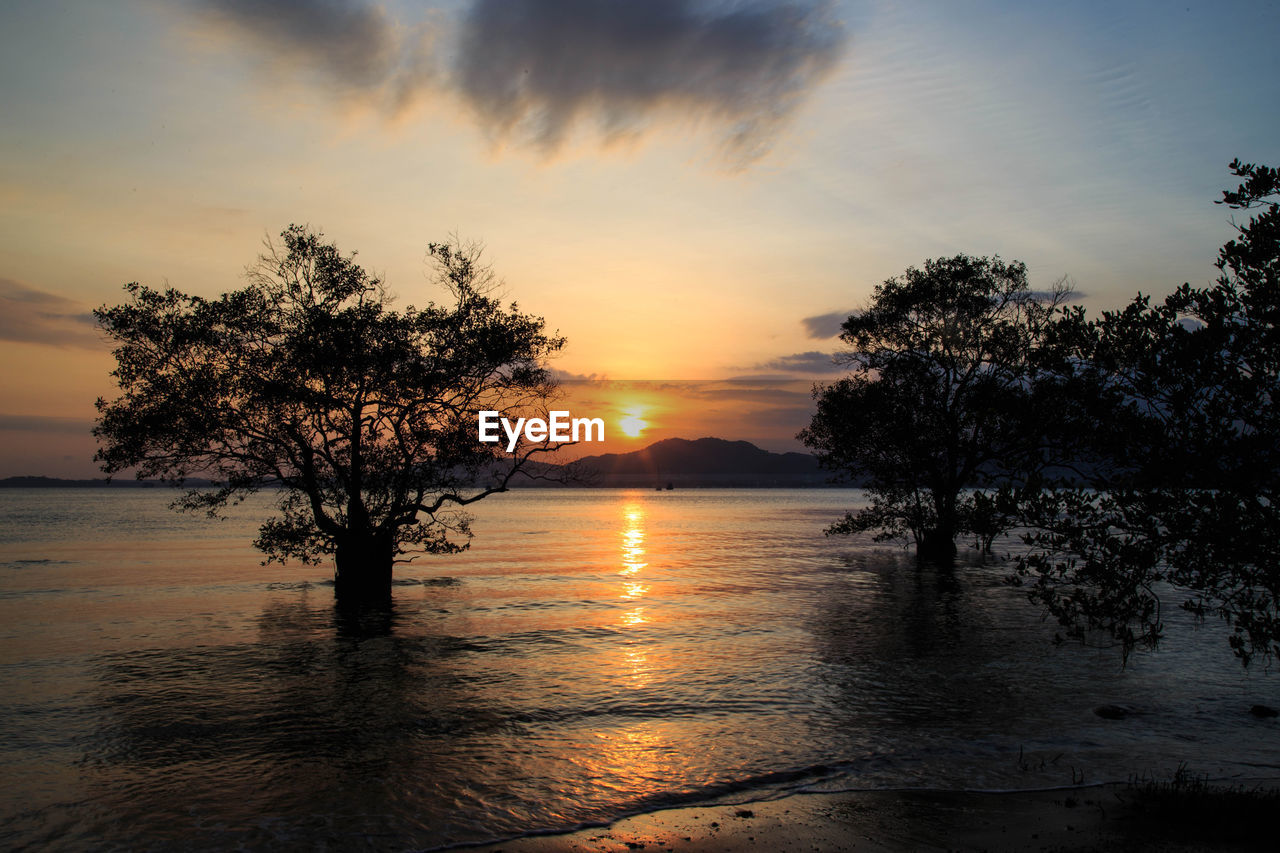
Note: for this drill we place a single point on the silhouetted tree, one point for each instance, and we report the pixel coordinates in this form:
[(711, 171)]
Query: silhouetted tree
[(943, 396), (306, 379), (1185, 506)]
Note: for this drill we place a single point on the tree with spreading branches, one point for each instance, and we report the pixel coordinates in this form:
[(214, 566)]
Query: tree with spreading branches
[(308, 380), (1185, 506), (942, 398)]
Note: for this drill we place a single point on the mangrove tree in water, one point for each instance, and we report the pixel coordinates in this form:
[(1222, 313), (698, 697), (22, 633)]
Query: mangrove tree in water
[(308, 380)]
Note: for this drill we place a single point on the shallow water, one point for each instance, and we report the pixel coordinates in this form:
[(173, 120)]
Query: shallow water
[(595, 653)]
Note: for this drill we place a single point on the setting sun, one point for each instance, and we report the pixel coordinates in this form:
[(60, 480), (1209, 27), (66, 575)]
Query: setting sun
[(632, 424)]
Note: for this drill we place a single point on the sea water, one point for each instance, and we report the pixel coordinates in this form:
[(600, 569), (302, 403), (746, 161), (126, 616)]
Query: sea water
[(595, 653)]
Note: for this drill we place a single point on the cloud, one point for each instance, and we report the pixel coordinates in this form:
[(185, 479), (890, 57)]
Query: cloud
[(757, 389), (767, 411), (802, 362), (353, 44), (825, 326), (533, 71), (563, 376), (28, 315)]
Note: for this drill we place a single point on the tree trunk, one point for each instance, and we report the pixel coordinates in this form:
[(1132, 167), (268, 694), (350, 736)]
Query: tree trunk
[(938, 546), (362, 567), (939, 542)]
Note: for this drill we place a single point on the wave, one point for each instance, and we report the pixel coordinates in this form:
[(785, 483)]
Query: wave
[(781, 785)]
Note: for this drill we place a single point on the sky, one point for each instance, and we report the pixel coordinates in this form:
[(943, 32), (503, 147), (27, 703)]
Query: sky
[(686, 189)]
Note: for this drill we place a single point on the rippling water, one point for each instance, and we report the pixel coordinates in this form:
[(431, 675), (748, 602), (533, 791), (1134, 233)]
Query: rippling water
[(595, 653)]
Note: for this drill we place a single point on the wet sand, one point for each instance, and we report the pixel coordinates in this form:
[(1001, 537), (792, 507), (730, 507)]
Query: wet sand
[(1100, 818)]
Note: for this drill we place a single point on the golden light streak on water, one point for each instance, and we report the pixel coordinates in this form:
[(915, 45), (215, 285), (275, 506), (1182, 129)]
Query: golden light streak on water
[(633, 561), (634, 616), (633, 551)]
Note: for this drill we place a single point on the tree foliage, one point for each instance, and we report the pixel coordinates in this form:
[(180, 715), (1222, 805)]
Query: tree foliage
[(942, 396), (1188, 422), (308, 379)]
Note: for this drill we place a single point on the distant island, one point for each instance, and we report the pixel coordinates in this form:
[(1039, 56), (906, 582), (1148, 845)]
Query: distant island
[(676, 462), (97, 483)]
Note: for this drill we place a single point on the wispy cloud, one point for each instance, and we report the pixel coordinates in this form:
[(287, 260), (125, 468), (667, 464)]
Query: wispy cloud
[(533, 71), (29, 315), (823, 326), (348, 43)]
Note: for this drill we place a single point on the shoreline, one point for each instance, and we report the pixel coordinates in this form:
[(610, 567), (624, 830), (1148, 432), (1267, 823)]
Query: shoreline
[(1100, 817)]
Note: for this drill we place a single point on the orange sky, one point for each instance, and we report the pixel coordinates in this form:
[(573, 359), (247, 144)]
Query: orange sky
[(766, 412), (677, 214)]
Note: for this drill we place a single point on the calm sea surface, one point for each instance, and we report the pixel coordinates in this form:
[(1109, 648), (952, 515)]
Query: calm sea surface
[(596, 653)]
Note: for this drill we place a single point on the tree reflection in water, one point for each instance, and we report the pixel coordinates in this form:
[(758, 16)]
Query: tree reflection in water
[(330, 725)]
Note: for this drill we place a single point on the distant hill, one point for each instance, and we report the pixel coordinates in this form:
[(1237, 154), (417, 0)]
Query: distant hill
[(59, 483), (706, 462)]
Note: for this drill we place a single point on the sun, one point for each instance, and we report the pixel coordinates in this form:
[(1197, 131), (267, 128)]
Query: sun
[(631, 423)]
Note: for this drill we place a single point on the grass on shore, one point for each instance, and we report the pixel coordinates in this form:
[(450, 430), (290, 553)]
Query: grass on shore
[(1195, 808)]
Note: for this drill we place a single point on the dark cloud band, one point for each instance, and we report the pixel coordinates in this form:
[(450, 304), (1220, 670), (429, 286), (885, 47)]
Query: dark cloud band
[(532, 71)]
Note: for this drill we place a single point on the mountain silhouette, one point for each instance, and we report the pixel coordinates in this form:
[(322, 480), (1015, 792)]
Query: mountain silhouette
[(703, 462), (679, 462)]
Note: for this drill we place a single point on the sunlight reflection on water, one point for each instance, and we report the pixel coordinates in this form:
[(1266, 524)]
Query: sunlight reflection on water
[(594, 653)]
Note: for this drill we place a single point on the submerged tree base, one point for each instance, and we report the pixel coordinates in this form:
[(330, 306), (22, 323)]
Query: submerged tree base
[(362, 588), (362, 571), (937, 548)]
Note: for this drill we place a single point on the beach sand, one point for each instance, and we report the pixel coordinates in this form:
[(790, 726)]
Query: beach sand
[(1101, 818)]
